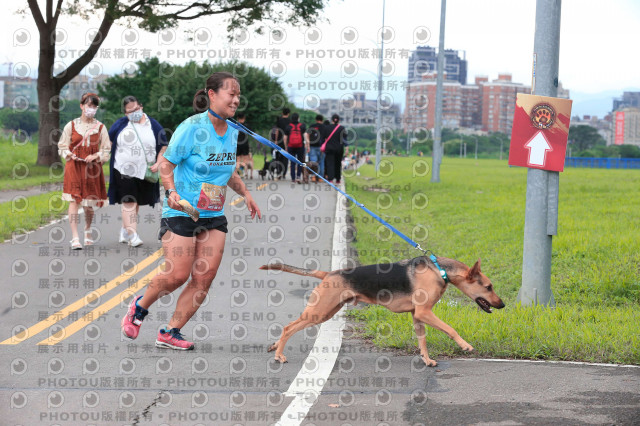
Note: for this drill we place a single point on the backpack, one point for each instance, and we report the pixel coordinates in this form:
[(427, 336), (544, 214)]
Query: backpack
[(295, 136), (315, 136)]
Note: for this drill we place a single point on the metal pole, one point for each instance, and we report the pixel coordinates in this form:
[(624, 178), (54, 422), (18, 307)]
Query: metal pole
[(541, 211), (476, 138), (437, 145), (501, 141), (379, 115)]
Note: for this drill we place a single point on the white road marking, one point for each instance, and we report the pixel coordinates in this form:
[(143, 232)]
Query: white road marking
[(308, 384), (542, 361)]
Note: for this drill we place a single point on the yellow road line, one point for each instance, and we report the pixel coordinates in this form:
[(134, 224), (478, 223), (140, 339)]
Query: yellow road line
[(78, 304), (78, 325)]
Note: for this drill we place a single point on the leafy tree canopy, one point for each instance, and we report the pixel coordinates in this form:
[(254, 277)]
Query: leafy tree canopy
[(166, 91), (585, 137)]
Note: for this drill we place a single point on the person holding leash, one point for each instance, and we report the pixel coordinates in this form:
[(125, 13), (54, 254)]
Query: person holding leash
[(197, 167)]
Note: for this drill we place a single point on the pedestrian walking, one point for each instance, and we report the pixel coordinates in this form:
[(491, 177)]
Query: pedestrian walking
[(297, 142), (316, 140), (244, 157), (85, 146), (334, 149), (138, 141)]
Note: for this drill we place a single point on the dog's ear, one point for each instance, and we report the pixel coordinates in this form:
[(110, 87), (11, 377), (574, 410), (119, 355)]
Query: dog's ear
[(474, 271)]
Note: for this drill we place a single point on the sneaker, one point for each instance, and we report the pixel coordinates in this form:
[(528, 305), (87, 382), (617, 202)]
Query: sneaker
[(124, 236), (172, 339), (135, 241), (133, 319)]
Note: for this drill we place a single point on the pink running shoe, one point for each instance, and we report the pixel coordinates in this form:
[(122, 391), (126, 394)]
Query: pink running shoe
[(133, 319), (172, 339)]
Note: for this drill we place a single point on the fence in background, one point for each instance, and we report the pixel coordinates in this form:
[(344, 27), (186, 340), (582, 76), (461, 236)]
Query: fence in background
[(603, 163)]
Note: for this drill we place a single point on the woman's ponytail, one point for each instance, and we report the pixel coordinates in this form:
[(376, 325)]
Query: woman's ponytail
[(200, 101)]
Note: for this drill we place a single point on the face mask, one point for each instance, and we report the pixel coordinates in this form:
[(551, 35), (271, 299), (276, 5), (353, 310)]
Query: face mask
[(90, 112), (135, 116)]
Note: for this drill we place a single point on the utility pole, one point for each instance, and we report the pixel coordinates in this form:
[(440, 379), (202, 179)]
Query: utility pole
[(437, 142), (476, 138), (541, 212), (379, 115)]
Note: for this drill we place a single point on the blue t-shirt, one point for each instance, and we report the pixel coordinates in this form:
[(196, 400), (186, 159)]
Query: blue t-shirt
[(204, 163)]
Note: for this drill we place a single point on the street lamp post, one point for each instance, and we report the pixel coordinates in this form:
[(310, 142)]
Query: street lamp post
[(379, 115), (476, 138), (437, 142)]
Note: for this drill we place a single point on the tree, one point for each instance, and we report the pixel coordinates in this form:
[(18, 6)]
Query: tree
[(585, 137), (150, 15), (26, 121), (171, 98)]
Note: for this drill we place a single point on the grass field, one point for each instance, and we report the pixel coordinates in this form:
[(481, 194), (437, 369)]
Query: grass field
[(477, 211), (18, 169)]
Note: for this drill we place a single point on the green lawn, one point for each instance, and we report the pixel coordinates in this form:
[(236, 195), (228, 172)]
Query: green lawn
[(18, 169), (477, 211)]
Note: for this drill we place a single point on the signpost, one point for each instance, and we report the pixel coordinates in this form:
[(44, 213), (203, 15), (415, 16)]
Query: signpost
[(538, 142)]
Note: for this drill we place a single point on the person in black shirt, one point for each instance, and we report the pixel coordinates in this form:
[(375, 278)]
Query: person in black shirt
[(334, 149), (244, 159), (317, 136), (282, 124)]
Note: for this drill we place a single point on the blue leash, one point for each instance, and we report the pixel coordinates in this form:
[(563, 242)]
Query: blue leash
[(240, 127)]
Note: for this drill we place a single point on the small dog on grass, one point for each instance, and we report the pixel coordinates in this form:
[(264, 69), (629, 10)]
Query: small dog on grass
[(413, 285)]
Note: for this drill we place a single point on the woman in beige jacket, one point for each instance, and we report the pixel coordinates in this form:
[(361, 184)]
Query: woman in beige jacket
[(85, 146)]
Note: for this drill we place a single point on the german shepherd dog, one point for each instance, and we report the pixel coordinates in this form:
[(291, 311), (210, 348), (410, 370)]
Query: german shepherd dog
[(413, 285)]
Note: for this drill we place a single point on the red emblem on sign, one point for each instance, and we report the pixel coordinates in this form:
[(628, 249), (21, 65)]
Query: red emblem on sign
[(543, 116)]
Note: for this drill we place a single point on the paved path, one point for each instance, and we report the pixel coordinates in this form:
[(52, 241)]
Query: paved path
[(71, 365)]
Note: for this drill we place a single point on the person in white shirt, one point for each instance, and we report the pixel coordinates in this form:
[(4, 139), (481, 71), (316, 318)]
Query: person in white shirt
[(138, 141)]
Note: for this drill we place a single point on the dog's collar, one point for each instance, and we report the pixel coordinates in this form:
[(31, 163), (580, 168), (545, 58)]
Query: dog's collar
[(443, 273)]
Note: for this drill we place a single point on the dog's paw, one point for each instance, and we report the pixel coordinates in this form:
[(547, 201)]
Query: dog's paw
[(430, 362), (467, 348)]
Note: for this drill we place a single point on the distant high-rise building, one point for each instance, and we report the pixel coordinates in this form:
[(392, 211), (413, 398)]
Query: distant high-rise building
[(20, 92), (425, 60), (357, 111), (627, 126), (499, 102), (81, 84), (420, 107), (485, 105), (628, 100)]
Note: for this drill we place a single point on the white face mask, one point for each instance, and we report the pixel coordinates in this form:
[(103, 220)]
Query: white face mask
[(90, 112), (135, 116)]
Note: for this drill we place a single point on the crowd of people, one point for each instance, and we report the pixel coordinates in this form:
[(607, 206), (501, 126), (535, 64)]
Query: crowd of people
[(321, 145)]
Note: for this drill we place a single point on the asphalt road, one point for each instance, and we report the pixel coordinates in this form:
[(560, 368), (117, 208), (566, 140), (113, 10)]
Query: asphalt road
[(66, 362)]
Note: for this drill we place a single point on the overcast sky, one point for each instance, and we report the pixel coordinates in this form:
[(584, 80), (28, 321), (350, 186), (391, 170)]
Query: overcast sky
[(597, 44)]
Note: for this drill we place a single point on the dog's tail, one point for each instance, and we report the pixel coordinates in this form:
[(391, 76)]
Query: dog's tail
[(294, 270)]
